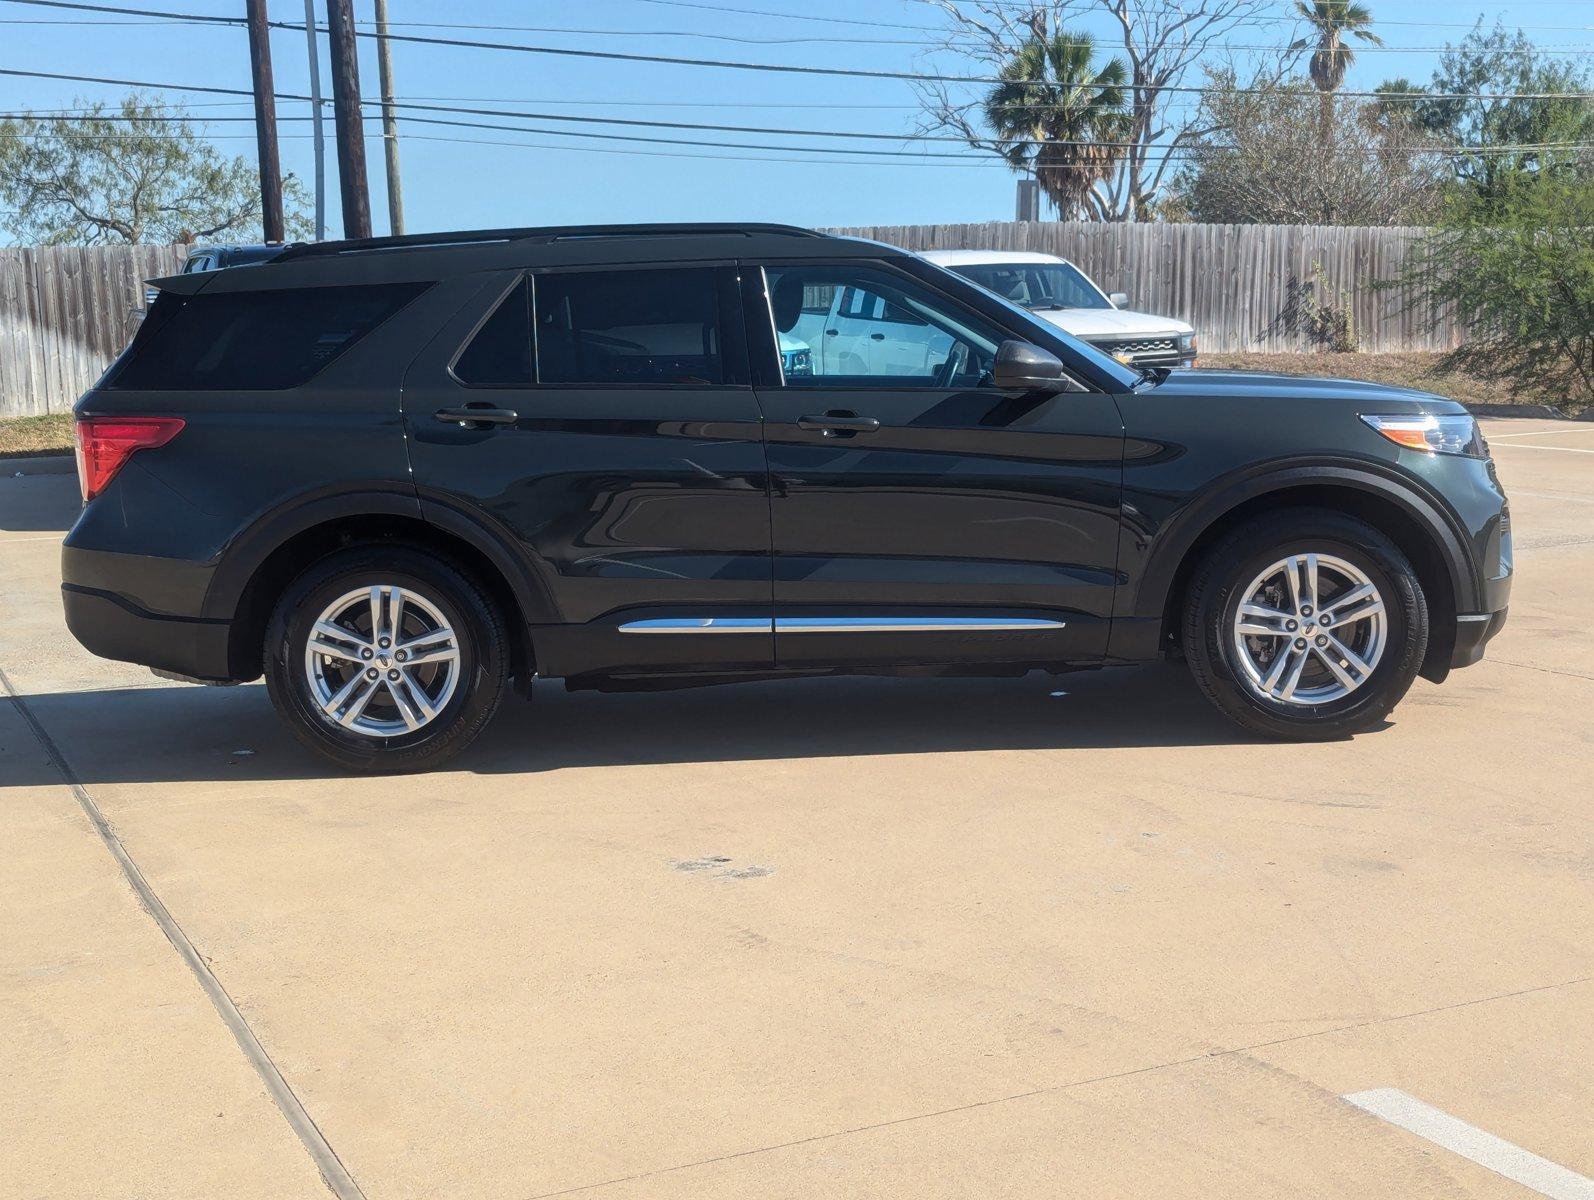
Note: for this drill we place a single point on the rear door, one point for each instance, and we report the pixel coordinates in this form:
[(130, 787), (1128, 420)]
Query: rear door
[(920, 515), (604, 420)]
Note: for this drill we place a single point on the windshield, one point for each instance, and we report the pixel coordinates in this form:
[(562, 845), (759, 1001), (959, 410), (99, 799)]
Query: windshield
[(1037, 285)]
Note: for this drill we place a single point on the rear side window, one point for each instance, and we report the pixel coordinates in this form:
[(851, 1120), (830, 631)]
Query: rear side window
[(257, 341), (500, 353), (658, 327)]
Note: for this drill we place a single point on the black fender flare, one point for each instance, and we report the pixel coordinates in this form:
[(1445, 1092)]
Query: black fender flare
[(1173, 543), (239, 562)]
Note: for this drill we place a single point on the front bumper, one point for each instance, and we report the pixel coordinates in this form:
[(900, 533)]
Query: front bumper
[(1473, 633)]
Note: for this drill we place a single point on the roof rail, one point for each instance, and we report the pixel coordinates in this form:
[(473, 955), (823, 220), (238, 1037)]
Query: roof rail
[(552, 233)]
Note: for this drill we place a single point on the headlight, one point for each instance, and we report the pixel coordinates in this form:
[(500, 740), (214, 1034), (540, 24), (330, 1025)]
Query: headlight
[(798, 362), (1450, 434), (1187, 343)]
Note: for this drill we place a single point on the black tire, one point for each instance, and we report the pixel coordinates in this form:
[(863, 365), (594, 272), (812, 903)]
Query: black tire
[(482, 642), (1213, 599)]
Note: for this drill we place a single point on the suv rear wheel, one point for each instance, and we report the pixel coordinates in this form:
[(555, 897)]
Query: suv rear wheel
[(386, 658), (1305, 624)]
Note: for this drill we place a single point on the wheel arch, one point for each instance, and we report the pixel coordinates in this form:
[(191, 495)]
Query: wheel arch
[(261, 563), (1420, 527)]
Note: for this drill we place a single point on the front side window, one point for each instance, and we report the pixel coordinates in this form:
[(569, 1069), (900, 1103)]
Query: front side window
[(1037, 286), (878, 329), (644, 327), (255, 341)]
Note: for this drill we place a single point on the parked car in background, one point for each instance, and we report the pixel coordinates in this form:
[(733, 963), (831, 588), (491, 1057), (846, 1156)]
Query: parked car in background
[(393, 475), (1056, 290), (214, 258)]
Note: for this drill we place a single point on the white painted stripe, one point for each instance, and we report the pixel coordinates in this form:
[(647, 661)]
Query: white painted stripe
[(1498, 1155), (1551, 432), (54, 537), (1525, 446)]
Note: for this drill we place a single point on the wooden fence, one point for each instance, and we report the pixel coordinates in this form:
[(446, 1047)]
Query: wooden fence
[(65, 313), (1234, 283)]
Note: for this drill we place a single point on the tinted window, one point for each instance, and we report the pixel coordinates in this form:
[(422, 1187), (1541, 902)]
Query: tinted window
[(500, 353), (633, 327), (257, 340), (883, 331)]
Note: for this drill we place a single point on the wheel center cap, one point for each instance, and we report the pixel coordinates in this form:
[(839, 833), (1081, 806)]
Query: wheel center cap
[(382, 660)]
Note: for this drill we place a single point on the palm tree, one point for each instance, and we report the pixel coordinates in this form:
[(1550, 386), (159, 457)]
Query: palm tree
[(1330, 23), (1060, 119)]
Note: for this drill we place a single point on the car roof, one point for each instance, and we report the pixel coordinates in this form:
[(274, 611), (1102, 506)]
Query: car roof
[(970, 258), (431, 256)]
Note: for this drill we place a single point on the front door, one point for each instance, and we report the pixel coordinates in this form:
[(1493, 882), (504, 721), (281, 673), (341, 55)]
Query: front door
[(919, 515), (604, 419)]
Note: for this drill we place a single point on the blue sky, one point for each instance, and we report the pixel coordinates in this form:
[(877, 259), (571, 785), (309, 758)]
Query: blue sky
[(454, 179)]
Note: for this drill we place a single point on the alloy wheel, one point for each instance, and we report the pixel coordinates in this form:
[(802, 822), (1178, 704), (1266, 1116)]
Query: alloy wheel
[(1310, 629), (382, 661)]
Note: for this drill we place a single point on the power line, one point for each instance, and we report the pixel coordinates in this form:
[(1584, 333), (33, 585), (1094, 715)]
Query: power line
[(781, 68)]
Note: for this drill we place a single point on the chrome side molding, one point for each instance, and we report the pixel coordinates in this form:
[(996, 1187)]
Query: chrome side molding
[(842, 625)]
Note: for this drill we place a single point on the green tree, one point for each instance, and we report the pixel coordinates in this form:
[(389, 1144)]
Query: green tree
[(1270, 158), (138, 172), (1057, 116), (1517, 266), (1515, 135), (1330, 23)]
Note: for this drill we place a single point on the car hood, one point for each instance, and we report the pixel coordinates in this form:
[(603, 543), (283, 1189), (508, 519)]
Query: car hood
[(1093, 323), (1203, 382)]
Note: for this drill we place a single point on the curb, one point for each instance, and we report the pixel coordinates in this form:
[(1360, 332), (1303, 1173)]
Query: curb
[(38, 464)]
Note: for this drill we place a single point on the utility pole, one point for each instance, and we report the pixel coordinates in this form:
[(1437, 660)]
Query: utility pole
[(349, 125), (265, 121), (384, 63), (318, 133)]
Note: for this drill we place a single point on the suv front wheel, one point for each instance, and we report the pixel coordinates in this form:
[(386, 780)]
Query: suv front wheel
[(386, 658), (1305, 624)]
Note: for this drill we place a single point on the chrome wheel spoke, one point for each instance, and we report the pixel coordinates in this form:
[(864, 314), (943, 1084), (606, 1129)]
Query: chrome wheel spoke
[(334, 641), (415, 696), (437, 646), (1292, 679), (1330, 660), (400, 691), (356, 707), (1354, 661)]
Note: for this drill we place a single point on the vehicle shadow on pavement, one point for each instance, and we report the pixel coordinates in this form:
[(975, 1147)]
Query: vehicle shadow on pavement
[(184, 733)]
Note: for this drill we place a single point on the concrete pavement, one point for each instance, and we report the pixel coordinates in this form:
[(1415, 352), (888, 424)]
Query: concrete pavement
[(833, 938)]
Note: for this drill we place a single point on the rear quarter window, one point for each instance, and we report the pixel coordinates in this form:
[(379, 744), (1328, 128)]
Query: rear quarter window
[(255, 341)]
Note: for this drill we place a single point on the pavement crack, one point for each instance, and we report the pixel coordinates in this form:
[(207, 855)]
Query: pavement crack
[(1545, 670), (1051, 1089), (333, 1172)]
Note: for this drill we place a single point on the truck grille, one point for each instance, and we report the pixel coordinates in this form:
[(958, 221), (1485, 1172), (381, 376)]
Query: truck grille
[(1144, 352)]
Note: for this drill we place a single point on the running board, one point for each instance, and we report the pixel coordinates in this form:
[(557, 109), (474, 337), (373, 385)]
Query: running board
[(842, 625)]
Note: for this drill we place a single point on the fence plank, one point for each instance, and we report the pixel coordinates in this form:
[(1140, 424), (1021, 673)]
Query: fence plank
[(64, 314), (1230, 281)]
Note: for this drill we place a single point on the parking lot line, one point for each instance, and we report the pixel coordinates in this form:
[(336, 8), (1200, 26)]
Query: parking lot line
[(1497, 1154), (1500, 437), (1528, 446), (332, 1170)]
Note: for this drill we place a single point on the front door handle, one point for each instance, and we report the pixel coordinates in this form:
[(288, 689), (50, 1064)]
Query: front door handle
[(477, 416), (832, 423)]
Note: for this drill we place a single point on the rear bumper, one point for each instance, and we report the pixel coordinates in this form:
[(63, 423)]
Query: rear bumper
[(113, 627)]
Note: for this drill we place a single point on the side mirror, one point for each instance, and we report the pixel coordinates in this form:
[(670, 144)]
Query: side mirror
[(1023, 367), (1119, 299)]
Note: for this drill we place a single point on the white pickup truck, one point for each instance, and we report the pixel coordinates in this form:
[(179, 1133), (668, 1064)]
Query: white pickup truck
[(1055, 290)]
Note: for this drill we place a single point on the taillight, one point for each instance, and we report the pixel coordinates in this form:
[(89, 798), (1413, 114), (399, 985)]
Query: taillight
[(105, 443)]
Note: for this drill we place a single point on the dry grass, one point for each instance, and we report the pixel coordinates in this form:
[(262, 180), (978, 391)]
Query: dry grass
[(1413, 370), (22, 436)]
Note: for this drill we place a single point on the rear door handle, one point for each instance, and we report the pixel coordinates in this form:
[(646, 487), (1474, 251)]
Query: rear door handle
[(831, 423), (477, 416)]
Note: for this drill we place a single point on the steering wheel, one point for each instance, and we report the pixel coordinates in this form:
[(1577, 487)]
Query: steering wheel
[(957, 358)]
